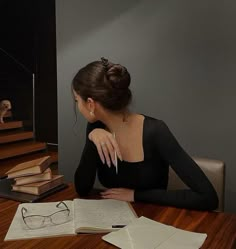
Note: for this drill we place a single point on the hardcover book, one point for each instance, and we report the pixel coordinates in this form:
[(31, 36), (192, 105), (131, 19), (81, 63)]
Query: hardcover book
[(46, 175), (32, 167), (39, 188), (7, 193)]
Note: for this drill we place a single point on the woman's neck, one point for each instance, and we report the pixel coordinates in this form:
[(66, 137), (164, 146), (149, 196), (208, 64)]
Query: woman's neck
[(116, 122)]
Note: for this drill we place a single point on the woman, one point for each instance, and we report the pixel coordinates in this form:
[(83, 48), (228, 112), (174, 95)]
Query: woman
[(141, 147)]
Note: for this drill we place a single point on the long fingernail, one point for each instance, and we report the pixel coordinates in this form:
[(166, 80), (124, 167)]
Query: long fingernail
[(109, 164)]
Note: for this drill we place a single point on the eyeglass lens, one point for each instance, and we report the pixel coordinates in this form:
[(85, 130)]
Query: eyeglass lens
[(38, 221)]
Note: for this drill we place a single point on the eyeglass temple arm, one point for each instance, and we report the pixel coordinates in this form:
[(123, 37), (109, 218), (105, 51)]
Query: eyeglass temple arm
[(62, 202), (23, 210)]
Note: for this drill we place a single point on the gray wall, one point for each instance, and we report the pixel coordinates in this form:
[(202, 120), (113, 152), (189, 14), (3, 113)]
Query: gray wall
[(182, 58)]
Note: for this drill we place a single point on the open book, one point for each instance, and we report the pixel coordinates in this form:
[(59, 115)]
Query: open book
[(84, 216)]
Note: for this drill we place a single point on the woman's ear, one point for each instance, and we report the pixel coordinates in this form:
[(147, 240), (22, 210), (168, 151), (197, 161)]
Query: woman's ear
[(91, 105)]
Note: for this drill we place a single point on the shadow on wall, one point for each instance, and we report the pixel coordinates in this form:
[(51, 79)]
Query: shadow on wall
[(103, 12)]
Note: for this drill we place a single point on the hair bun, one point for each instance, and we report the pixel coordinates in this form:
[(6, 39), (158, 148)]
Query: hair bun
[(118, 76)]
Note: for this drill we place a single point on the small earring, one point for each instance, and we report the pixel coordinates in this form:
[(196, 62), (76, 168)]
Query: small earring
[(91, 113)]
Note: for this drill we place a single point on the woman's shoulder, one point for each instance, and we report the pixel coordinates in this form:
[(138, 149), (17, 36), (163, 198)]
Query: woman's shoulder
[(154, 122), (157, 130)]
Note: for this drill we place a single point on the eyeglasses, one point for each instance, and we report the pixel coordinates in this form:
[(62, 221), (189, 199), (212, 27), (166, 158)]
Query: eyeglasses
[(38, 221)]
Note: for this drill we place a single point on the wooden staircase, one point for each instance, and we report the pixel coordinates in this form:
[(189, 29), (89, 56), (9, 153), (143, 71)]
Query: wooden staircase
[(18, 145), (13, 136)]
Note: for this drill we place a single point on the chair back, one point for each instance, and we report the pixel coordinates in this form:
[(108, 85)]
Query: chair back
[(213, 169)]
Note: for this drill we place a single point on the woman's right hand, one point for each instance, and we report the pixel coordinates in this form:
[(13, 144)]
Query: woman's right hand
[(106, 144)]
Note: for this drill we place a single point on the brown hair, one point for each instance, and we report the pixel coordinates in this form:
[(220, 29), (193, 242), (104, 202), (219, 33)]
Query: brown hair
[(104, 82)]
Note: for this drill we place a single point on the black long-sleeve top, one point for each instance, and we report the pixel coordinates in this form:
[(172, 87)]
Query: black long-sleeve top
[(149, 178)]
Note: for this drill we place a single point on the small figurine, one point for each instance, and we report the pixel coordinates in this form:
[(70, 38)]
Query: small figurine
[(5, 106)]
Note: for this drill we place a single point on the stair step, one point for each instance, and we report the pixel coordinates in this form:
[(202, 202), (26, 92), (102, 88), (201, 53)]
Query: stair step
[(12, 136), (8, 163), (8, 114), (20, 148), (11, 125)]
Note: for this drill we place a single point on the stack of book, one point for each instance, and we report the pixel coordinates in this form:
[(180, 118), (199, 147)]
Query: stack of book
[(34, 177)]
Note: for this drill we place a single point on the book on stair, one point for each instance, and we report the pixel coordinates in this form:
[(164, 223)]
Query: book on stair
[(38, 188), (32, 167), (46, 175), (36, 220)]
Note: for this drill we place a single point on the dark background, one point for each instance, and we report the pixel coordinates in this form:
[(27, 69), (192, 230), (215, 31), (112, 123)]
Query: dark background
[(28, 35)]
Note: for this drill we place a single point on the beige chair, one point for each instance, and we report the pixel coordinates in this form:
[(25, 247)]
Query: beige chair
[(214, 170)]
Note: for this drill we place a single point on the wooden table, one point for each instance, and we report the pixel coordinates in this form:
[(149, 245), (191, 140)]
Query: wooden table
[(220, 227)]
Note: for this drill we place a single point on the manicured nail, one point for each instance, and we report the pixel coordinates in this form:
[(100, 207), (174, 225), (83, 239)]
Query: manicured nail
[(119, 155)]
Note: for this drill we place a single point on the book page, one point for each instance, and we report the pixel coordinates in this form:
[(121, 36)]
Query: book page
[(184, 240), (149, 234), (101, 214), (141, 233), (19, 230)]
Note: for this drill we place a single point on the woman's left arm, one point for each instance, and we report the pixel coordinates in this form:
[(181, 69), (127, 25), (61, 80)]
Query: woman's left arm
[(201, 194)]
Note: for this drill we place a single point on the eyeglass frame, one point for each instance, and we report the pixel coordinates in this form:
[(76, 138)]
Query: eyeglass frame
[(24, 209)]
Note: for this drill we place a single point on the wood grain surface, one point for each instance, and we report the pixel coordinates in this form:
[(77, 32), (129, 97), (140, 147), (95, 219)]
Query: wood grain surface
[(220, 227)]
